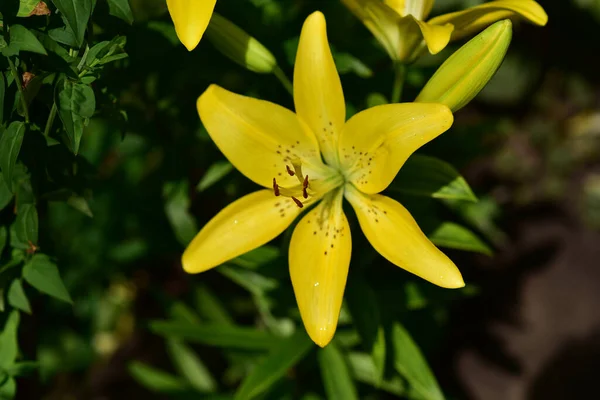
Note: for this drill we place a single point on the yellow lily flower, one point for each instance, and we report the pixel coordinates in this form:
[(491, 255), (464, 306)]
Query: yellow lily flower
[(400, 27), (316, 157), (190, 17)]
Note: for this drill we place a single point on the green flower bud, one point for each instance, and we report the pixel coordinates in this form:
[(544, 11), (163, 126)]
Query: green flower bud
[(240, 47), (469, 69)]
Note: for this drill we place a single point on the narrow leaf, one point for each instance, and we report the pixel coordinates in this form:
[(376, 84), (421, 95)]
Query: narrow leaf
[(3, 238), (9, 347), (280, 359), (2, 94), (455, 236), (10, 146), (411, 364), (155, 379), (177, 203), (41, 273), (17, 298), (214, 174), (120, 9), (363, 369), (431, 177), (190, 366), (77, 13), (5, 193), (216, 335), (335, 373)]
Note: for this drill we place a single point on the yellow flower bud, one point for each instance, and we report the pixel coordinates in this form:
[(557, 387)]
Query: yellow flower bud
[(240, 47), (469, 69)]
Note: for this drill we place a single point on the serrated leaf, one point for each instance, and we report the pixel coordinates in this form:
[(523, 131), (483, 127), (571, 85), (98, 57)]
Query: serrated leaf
[(154, 379), (10, 146), (21, 39), (455, 236), (280, 359), (120, 9), (9, 347), (431, 177), (41, 273), (214, 174), (17, 298), (190, 366), (26, 224), (411, 364), (335, 374), (216, 335), (77, 14), (76, 103)]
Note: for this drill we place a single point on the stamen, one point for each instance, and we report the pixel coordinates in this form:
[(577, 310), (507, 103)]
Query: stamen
[(289, 170), (275, 187), (298, 202), (304, 187)]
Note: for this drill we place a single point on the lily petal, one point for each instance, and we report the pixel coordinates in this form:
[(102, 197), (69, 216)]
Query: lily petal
[(420, 9), (319, 259), (258, 137), (476, 18), (244, 225), (376, 142), (191, 18), (382, 21), (436, 37), (393, 232), (318, 95)]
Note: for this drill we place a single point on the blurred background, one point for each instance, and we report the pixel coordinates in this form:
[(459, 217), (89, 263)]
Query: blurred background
[(525, 327)]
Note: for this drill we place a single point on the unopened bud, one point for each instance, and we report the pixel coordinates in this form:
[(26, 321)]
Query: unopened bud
[(240, 47)]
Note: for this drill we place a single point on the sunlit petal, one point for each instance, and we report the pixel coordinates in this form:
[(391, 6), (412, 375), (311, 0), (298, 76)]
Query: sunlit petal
[(420, 9), (242, 226), (393, 232), (190, 18), (258, 137), (436, 36), (319, 258), (476, 18), (376, 142), (318, 92)]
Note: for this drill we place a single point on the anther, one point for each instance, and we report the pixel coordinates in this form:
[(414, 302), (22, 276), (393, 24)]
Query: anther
[(298, 202), (275, 187), (289, 170), (304, 187)]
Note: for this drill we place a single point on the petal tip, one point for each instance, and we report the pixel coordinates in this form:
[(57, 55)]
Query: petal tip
[(321, 336)]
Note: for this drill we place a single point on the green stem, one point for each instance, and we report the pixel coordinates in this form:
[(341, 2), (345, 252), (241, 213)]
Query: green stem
[(399, 75), (19, 83), (284, 80), (50, 120)]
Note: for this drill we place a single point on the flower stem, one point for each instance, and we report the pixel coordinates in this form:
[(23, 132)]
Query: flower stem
[(399, 75), (279, 74), (50, 120), (19, 84)]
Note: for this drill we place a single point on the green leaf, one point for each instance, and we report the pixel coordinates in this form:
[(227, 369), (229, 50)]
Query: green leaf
[(120, 9), (155, 379), (431, 177), (335, 373), (252, 281), (455, 236), (190, 366), (8, 389), (26, 7), (23, 368), (210, 307), (363, 369), (26, 225), (363, 306), (216, 335), (80, 204), (76, 103), (274, 366), (411, 364), (21, 39), (105, 52), (5, 193), (77, 13), (2, 93), (177, 203), (214, 174), (41, 273), (3, 238), (346, 63), (17, 298), (10, 145), (9, 347)]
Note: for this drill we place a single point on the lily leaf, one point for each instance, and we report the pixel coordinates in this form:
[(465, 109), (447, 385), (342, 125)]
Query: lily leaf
[(336, 374), (10, 146)]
